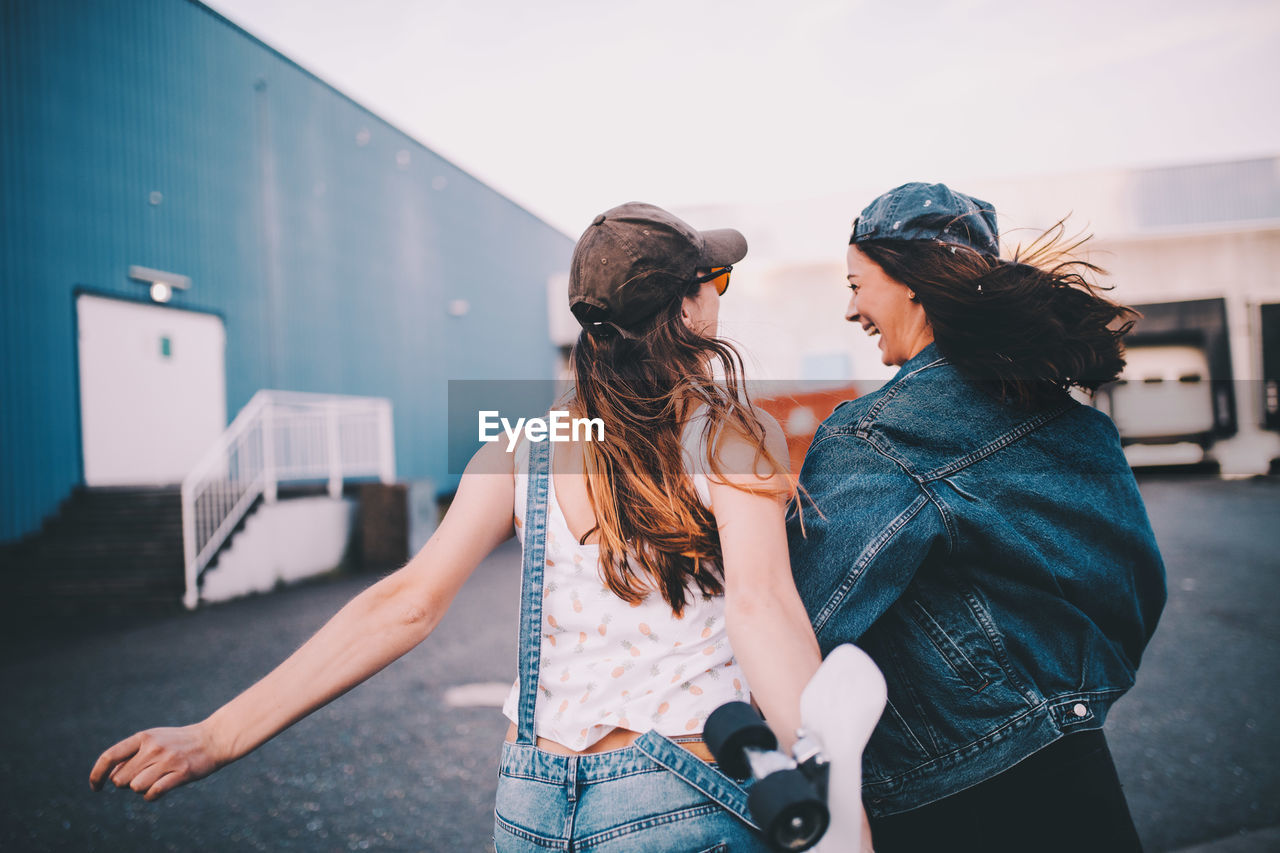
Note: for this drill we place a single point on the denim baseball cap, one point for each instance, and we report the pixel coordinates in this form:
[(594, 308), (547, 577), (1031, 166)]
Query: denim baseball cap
[(918, 211), (633, 258)]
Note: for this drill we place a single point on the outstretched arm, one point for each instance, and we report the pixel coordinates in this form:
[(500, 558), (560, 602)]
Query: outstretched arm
[(767, 623), (372, 630)]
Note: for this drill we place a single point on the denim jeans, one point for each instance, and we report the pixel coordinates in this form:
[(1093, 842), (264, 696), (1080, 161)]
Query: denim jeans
[(609, 802), (652, 796)]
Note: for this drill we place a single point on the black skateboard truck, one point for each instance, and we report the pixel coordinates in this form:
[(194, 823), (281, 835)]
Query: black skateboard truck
[(789, 797)]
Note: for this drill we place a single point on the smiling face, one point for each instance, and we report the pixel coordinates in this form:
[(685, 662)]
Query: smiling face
[(883, 307)]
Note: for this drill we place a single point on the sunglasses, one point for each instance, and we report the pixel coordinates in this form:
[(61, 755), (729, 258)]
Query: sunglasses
[(719, 275)]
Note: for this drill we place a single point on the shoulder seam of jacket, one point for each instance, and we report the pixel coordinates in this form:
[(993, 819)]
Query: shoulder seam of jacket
[(906, 470), (921, 483), (947, 524), (874, 547)]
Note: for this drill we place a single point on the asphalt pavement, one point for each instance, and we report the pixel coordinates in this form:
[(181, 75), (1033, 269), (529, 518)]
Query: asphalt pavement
[(393, 765)]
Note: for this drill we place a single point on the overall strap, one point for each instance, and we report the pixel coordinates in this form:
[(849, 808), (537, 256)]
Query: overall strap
[(535, 542)]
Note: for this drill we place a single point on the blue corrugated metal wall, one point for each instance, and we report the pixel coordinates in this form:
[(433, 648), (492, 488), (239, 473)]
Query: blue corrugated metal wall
[(329, 242)]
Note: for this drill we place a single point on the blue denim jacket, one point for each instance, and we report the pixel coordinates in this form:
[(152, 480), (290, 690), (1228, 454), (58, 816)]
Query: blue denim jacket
[(997, 564)]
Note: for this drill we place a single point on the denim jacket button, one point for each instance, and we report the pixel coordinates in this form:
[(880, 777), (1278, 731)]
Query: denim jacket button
[(1080, 710)]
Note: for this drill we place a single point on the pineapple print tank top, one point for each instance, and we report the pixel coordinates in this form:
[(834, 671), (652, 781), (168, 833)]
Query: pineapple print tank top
[(607, 663)]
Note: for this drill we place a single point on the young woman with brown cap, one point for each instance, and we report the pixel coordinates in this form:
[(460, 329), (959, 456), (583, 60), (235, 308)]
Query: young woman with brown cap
[(655, 577), (981, 536)]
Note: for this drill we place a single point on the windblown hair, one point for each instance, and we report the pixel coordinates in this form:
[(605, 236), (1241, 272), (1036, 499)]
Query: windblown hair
[(1027, 329), (654, 531)]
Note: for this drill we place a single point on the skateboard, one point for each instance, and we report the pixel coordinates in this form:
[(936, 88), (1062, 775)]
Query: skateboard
[(812, 798)]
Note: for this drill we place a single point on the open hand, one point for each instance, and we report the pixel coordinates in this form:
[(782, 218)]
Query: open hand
[(156, 761)]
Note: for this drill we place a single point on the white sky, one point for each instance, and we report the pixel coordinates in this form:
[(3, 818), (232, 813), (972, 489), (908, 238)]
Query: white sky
[(572, 106)]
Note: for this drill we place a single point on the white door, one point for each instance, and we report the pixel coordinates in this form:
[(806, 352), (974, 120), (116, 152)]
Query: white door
[(152, 390)]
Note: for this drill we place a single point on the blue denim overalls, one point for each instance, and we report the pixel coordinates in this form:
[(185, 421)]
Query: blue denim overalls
[(652, 796)]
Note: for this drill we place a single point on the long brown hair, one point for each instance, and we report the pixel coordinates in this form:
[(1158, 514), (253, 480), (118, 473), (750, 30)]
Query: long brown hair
[(654, 531), (1027, 329)]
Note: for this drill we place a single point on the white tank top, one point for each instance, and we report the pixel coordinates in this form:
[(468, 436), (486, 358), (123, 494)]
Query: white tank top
[(607, 663)]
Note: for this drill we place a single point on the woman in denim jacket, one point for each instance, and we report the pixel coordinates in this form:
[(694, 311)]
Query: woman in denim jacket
[(979, 533)]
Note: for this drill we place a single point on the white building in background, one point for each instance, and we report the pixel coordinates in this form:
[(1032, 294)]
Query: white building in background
[(1196, 248)]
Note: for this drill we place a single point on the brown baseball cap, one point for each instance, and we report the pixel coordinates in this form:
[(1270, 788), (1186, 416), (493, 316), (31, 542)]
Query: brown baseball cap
[(634, 258)]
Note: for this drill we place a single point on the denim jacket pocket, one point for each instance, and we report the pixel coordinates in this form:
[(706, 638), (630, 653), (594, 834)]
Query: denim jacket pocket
[(951, 653), (893, 736), (902, 731)]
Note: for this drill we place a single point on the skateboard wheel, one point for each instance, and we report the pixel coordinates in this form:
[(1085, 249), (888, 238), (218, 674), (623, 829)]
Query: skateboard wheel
[(788, 810), (729, 730)]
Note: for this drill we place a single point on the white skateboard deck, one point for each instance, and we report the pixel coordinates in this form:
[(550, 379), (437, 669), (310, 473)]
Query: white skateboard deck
[(839, 707)]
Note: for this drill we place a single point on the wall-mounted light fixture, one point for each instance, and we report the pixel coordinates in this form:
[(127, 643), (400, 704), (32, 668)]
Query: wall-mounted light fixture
[(162, 283)]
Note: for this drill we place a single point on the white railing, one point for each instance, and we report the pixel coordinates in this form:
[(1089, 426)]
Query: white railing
[(280, 436)]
